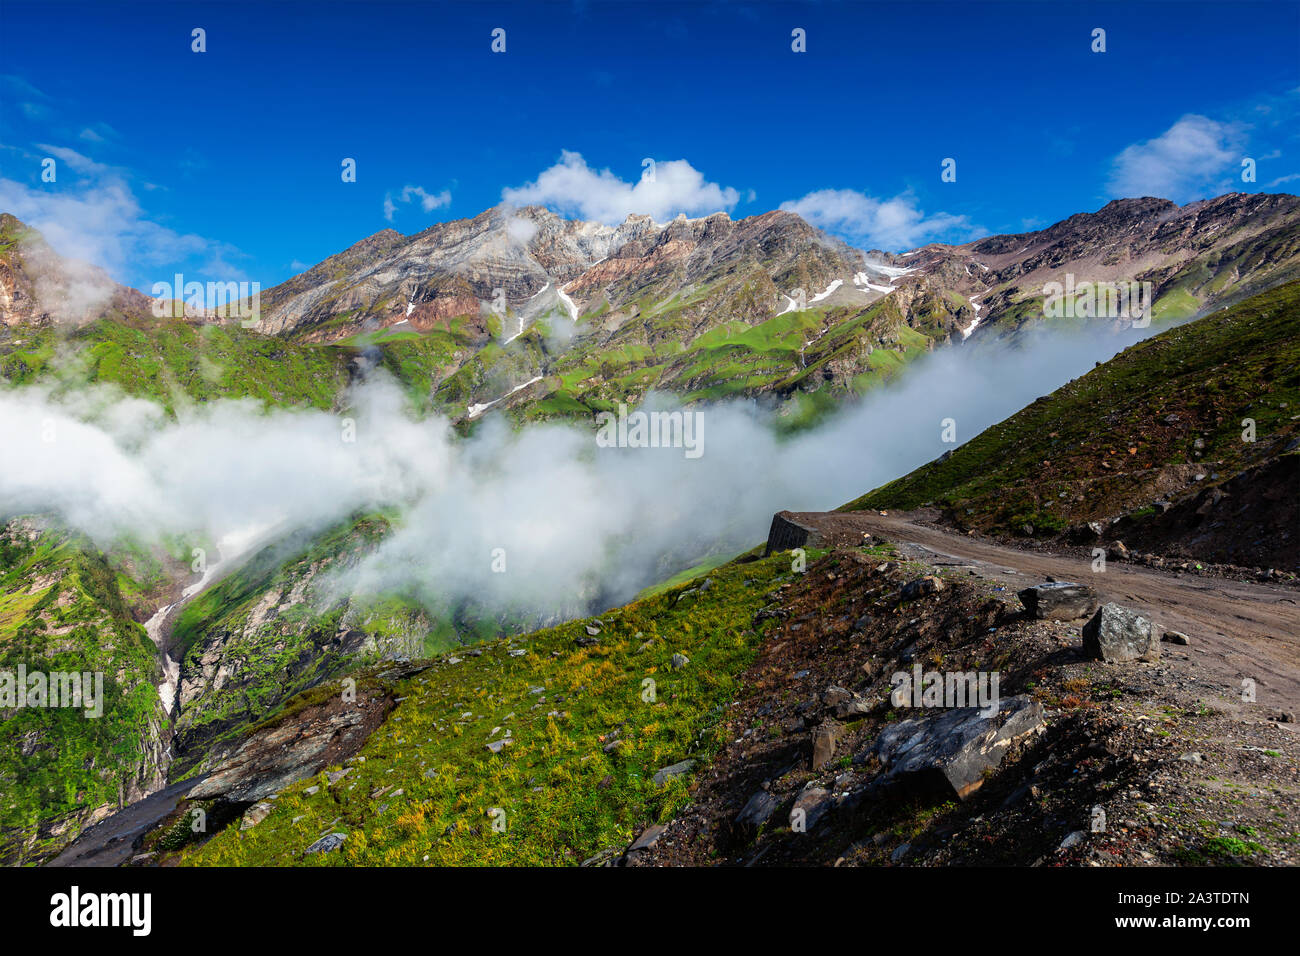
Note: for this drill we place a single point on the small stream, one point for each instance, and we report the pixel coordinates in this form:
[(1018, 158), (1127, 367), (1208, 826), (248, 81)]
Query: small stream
[(160, 633), (171, 668), (229, 547), (110, 842)]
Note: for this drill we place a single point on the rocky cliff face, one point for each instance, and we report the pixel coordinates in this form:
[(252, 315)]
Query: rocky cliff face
[(284, 621), (39, 287)]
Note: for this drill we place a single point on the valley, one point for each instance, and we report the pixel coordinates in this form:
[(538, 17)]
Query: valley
[(346, 678)]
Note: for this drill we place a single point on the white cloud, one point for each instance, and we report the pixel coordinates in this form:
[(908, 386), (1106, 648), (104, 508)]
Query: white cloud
[(94, 216), (428, 201), (571, 187), (1195, 158), (521, 230), (76, 161), (572, 518), (98, 133), (889, 224)]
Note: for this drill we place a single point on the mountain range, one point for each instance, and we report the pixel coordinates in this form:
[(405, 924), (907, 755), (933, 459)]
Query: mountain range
[(522, 314), (539, 317)]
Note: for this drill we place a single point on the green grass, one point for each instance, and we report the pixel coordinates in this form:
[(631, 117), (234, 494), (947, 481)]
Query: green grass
[(690, 574), (174, 362), (564, 798), (62, 610)]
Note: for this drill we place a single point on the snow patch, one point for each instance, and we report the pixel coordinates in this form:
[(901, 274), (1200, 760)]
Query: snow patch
[(965, 333), (892, 271), (863, 279), (568, 304), (835, 284), (476, 410), (517, 334)]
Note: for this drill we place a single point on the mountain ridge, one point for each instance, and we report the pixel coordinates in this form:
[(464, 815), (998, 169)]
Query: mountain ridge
[(592, 315)]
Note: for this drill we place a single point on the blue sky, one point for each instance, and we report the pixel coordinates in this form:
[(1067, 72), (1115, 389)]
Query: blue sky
[(226, 164)]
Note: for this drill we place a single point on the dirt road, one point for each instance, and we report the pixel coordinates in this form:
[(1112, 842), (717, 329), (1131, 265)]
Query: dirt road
[(1238, 630)]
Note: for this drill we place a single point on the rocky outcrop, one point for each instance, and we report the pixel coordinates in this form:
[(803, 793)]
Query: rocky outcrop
[(296, 747), (40, 287), (1119, 634), (1058, 601), (952, 752)]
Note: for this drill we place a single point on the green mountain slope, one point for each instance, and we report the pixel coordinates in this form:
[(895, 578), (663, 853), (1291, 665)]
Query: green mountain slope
[(1160, 422), (170, 360), (587, 738), (62, 609)]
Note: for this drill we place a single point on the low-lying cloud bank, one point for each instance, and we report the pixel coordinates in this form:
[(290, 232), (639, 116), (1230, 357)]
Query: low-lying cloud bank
[(573, 524)]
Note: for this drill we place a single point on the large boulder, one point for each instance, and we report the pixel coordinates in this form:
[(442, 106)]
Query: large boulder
[(1059, 600), (1116, 633), (256, 814), (294, 747), (950, 752), (756, 812)]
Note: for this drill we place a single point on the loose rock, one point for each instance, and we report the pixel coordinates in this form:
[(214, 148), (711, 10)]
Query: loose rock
[(951, 752), (676, 770), (1119, 634), (1058, 601), (328, 843)]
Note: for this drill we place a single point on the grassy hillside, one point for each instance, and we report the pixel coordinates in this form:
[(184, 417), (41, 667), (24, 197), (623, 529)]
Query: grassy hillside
[(811, 358), (845, 352), (62, 609), (172, 361), (1139, 427), (587, 740)]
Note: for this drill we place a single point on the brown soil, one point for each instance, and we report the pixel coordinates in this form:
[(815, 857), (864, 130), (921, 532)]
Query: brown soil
[(1239, 628), (1183, 769)]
